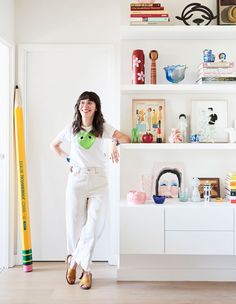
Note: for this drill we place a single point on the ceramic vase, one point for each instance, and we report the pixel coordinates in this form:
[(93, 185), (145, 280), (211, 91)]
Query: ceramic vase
[(138, 70)]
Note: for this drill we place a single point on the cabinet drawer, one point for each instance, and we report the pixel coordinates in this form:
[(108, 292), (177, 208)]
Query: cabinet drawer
[(199, 218), (199, 242), (141, 230)]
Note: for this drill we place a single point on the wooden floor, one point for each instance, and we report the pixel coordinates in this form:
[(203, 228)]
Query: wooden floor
[(47, 285)]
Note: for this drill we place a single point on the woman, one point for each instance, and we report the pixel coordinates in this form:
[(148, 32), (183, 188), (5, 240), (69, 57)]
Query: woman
[(87, 182)]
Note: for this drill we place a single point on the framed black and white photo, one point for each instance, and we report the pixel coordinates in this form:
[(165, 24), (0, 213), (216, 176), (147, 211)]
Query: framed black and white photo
[(209, 120)]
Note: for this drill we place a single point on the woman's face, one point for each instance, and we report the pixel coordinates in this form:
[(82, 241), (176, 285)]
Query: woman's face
[(168, 185), (87, 108)]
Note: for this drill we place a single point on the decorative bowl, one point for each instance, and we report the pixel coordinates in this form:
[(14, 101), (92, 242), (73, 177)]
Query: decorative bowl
[(175, 73), (158, 199), (136, 197)]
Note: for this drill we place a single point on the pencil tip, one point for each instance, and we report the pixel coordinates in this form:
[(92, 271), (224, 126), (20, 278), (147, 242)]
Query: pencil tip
[(16, 86)]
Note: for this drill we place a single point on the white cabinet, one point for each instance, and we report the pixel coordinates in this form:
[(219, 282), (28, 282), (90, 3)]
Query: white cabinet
[(199, 230), (199, 242), (141, 230), (199, 218)]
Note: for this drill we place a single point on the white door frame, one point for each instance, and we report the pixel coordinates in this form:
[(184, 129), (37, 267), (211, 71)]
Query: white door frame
[(23, 52), (7, 226)]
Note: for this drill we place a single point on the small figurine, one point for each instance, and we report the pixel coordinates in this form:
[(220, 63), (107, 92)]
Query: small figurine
[(207, 192), (183, 124), (222, 56), (208, 56), (175, 136), (135, 136), (196, 194), (195, 138), (153, 55)]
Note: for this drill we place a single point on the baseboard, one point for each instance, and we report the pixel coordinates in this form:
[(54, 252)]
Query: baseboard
[(142, 274)]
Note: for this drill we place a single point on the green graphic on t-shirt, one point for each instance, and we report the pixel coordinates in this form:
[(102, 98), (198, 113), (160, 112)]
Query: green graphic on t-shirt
[(86, 140)]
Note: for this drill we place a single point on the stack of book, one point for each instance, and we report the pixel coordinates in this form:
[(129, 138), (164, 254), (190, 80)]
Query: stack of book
[(148, 14), (216, 72), (230, 187)]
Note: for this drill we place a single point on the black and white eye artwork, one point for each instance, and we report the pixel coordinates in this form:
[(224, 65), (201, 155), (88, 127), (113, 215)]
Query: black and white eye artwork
[(196, 14)]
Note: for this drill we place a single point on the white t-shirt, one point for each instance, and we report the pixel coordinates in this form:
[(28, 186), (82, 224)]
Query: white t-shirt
[(86, 149)]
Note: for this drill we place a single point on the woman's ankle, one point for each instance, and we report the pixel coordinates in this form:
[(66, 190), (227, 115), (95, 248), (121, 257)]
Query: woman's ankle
[(73, 263)]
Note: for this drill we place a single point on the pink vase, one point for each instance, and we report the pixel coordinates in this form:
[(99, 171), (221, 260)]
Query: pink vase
[(138, 70), (136, 197)]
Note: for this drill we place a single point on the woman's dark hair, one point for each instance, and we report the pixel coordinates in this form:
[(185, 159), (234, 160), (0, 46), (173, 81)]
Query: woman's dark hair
[(168, 170), (98, 119)]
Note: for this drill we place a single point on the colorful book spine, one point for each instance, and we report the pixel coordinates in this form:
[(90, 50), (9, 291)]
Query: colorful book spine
[(217, 64), (149, 15), (216, 71), (143, 8), (148, 12), (216, 79), (145, 4), (149, 21), (204, 74)]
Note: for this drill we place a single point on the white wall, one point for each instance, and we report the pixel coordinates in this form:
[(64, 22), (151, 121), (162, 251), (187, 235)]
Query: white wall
[(7, 14), (68, 21), (62, 21)]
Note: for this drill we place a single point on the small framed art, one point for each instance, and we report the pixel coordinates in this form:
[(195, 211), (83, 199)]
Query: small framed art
[(226, 12), (209, 120), (148, 116), (215, 186)]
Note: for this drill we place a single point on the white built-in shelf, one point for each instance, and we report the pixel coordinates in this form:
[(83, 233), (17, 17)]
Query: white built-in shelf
[(222, 88), (179, 32), (172, 202), (183, 146)]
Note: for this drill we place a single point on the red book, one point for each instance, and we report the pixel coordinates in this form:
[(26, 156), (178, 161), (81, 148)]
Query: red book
[(147, 8)]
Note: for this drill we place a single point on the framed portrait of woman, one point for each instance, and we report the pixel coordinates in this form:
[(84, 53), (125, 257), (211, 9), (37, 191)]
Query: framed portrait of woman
[(168, 179)]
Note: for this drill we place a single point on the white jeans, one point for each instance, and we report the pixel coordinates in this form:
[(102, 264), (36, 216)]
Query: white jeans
[(85, 193)]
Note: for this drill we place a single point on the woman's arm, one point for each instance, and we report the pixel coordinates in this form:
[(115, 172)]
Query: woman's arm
[(118, 137), (56, 147), (121, 137)]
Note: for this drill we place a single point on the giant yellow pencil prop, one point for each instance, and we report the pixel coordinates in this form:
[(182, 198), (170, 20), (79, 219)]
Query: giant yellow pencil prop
[(22, 184)]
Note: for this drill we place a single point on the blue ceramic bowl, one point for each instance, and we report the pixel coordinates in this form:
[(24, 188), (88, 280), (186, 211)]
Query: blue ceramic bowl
[(158, 199), (175, 73)]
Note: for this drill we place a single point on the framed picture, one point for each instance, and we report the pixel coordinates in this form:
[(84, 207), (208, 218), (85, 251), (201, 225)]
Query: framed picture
[(148, 116), (226, 12), (168, 178), (215, 186), (209, 120)]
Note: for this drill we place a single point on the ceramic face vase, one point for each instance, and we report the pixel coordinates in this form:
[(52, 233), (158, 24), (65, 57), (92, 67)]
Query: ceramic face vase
[(138, 71)]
